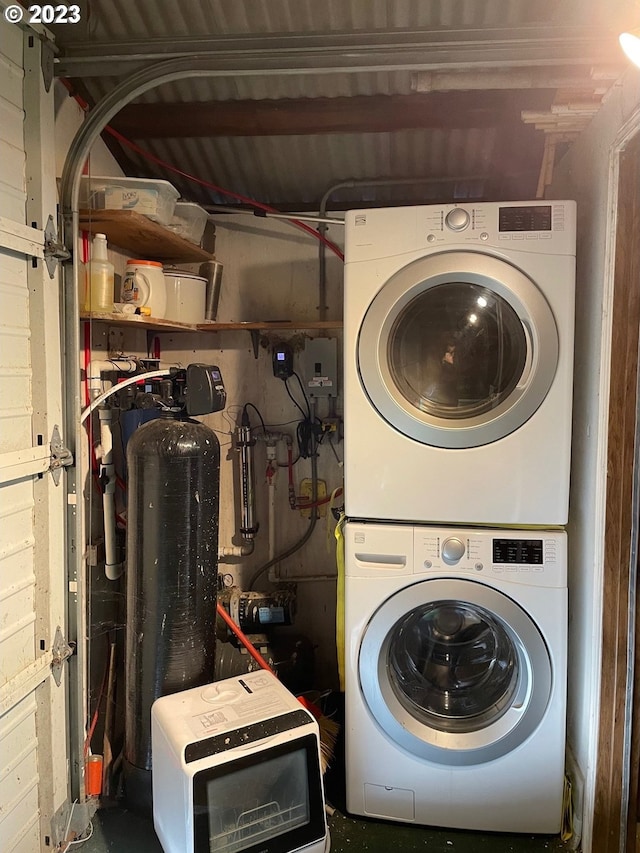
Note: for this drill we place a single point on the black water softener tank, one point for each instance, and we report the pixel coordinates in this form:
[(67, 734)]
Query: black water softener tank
[(172, 558)]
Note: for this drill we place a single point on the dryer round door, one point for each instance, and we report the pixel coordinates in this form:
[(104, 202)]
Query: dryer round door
[(458, 349), (455, 672)]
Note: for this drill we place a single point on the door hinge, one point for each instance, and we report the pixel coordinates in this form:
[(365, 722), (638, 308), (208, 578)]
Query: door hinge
[(54, 251), (61, 456), (61, 651), (47, 67)]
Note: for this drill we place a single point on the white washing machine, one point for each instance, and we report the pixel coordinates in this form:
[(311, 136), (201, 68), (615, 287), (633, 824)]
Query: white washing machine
[(456, 645), (459, 362)]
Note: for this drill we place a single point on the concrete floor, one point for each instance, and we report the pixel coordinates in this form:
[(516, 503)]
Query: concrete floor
[(118, 829)]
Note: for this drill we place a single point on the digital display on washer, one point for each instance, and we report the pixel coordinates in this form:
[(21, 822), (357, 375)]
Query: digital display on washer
[(536, 218), (527, 551)]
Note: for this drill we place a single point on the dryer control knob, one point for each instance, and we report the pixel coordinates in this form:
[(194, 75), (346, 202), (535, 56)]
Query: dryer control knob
[(453, 550), (457, 219)]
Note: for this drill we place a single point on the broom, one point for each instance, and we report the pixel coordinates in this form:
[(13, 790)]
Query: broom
[(328, 728)]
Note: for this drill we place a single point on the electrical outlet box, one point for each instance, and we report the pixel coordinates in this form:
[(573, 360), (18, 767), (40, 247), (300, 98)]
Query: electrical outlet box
[(115, 342), (319, 367)]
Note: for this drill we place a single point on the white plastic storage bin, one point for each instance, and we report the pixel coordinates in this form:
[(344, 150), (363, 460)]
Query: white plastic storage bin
[(155, 199), (189, 221)]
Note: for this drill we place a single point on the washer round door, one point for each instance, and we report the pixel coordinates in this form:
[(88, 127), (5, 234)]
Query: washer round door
[(454, 671), (458, 349)]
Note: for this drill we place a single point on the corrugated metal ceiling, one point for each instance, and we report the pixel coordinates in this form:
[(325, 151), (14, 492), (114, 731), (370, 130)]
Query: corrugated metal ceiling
[(295, 170), (113, 20)]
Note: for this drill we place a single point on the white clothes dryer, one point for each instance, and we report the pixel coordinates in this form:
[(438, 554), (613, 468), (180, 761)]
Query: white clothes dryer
[(456, 657), (459, 362)]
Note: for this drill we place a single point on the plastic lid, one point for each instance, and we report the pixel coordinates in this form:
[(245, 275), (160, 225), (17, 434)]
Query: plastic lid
[(99, 248), (183, 274), (148, 263)]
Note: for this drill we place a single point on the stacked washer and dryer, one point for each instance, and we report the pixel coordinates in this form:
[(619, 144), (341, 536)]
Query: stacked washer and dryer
[(458, 397)]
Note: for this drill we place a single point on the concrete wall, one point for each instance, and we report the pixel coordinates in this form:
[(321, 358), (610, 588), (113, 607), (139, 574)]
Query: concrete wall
[(585, 175)]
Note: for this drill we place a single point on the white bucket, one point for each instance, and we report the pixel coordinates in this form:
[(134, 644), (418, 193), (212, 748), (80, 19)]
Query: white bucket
[(186, 296), (143, 284)]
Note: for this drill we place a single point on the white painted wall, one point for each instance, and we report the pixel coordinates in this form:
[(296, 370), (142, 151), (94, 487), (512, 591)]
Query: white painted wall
[(271, 273), (584, 174), (69, 117)]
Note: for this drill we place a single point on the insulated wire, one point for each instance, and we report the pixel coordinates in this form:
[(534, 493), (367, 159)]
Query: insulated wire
[(207, 184), (294, 401), (257, 411)]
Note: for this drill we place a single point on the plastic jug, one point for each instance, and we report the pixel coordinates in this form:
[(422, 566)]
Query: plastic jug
[(100, 277), (143, 286)]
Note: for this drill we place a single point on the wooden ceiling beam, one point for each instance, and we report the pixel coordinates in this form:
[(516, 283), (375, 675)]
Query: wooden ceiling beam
[(361, 114)]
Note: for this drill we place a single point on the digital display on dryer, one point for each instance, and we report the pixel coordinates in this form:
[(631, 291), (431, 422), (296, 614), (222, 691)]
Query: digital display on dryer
[(533, 218), (526, 551)]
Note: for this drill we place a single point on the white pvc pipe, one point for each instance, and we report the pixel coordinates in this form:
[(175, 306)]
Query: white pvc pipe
[(124, 384), (235, 550), (98, 367), (112, 568)]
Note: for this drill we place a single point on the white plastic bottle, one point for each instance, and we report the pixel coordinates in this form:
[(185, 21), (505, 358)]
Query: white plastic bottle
[(99, 293)]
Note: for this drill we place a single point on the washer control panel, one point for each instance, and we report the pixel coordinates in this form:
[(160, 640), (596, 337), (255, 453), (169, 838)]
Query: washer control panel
[(530, 556)]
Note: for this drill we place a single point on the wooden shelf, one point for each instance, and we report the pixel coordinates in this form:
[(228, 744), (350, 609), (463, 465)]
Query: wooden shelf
[(207, 326), (137, 320), (266, 325), (141, 236)]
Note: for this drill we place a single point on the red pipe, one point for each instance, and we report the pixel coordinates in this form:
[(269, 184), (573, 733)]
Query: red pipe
[(149, 156)]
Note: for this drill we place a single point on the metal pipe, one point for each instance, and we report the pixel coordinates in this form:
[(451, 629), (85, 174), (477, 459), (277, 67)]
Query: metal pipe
[(221, 208), (391, 182), (271, 508), (314, 511), (414, 49), (351, 184), (75, 439)]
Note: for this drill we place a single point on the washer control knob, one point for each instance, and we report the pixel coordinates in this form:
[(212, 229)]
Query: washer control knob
[(453, 550), (457, 219)]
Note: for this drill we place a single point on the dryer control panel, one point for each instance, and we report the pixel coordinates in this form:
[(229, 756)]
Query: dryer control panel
[(539, 227)]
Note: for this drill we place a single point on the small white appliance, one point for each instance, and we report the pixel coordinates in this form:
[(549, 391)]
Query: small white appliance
[(456, 653), (236, 769), (458, 327)]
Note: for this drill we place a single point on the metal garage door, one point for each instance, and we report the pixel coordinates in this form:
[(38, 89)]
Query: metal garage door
[(33, 728)]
